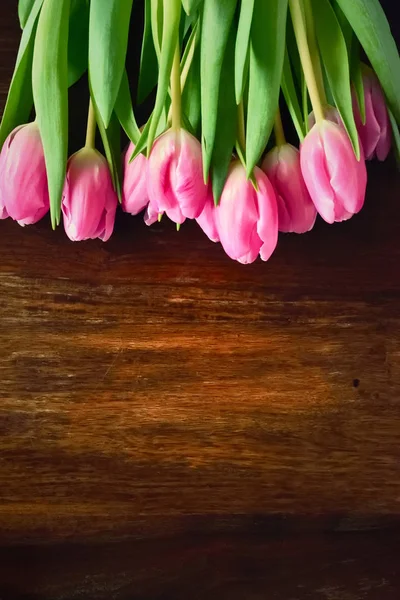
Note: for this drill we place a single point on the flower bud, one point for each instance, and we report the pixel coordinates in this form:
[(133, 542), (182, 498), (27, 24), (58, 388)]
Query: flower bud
[(375, 134), (24, 194), (175, 176), (296, 211), (89, 200), (335, 179), (134, 190), (246, 218)]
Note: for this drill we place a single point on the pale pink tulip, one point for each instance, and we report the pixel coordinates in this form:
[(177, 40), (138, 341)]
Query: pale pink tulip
[(375, 134), (89, 199), (335, 179), (296, 211), (175, 176), (24, 194), (207, 220), (134, 190), (246, 219)]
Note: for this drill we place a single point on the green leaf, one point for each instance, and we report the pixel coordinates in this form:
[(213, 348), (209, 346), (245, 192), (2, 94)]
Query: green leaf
[(20, 100), (242, 46), (148, 59), (24, 10), (370, 25), (78, 40), (172, 14), (291, 97), (335, 59), (356, 77), (353, 50), (108, 42), (156, 21), (225, 134), (142, 142), (216, 24), (190, 6), (50, 93), (396, 137), (267, 50), (124, 110), (191, 99)]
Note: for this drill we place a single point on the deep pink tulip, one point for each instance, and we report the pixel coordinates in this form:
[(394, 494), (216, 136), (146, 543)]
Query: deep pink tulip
[(89, 199), (151, 215), (246, 219), (207, 218), (335, 179), (24, 194), (175, 176), (296, 211), (134, 191), (375, 135)]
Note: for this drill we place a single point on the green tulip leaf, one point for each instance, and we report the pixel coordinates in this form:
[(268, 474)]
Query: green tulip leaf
[(370, 25), (335, 59), (50, 93), (78, 40), (170, 37), (191, 98), (108, 42), (242, 47), (291, 97), (148, 58), (24, 10), (190, 6), (216, 23), (356, 76), (226, 130), (156, 24), (267, 50), (124, 110), (20, 100)]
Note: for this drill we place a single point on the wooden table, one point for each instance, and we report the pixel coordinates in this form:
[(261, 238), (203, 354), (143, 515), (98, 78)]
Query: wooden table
[(176, 425)]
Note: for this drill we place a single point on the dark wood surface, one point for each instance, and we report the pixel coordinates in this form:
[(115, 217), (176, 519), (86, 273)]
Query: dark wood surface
[(176, 425)]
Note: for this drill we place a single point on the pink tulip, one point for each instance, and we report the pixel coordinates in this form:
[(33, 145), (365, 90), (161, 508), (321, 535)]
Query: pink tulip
[(246, 219), (89, 200), (296, 212), (175, 176), (335, 179), (151, 214), (134, 191), (207, 218), (24, 194), (375, 135)]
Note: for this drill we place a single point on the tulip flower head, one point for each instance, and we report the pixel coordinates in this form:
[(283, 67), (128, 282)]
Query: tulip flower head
[(335, 179), (246, 218), (375, 134), (89, 200), (175, 176), (296, 211), (134, 191), (24, 194)]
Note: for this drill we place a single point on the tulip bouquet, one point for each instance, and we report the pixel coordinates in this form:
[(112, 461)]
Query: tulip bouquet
[(219, 73)]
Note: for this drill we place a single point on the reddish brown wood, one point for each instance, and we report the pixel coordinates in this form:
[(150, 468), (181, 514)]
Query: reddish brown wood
[(196, 428)]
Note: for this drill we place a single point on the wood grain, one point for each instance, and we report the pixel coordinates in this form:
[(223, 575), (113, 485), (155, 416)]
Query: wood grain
[(176, 425)]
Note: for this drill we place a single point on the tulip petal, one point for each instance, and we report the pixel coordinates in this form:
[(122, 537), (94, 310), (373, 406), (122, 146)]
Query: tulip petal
[(267, 224)]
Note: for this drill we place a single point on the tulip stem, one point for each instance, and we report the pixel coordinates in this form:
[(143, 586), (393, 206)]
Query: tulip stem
[(176, 90), (278, 130), (299, 25), (314, 52), (91, 127)]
